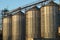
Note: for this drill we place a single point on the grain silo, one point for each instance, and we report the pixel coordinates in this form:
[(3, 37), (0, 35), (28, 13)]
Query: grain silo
[(58, 33), (32, 23), (18, 25), (6, 26), (49, 21)]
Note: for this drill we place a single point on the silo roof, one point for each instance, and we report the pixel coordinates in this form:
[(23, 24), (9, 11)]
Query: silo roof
[(33, 8), (20, 12), (5, 10), (52, 3), (17, 11)]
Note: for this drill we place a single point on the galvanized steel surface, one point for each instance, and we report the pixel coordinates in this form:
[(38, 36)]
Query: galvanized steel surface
[(17, 26), (7, 28), (49, 22), (32, 24)]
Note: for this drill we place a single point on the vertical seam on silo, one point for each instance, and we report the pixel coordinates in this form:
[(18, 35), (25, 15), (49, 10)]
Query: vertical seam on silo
[(35, 23), (49, 20), (32, 24)]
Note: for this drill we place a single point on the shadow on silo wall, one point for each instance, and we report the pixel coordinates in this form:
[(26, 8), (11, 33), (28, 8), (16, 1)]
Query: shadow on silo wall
[(49, 39), (58, 38), (0, 36), (46, 39)]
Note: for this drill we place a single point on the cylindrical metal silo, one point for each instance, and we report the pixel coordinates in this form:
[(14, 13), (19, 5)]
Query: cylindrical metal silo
[(18, 26), (7, 27), (49, 23), (58, 33), (32, 23)]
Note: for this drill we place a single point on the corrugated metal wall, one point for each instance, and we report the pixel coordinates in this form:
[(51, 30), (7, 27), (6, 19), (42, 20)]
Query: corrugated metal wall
[(49, 22), (32, 23), (18, 26), (7, 28)]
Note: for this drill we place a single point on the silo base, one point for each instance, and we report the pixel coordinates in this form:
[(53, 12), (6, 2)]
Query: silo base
[(29, 38), (49, 38), (37, 39), (33, 39)]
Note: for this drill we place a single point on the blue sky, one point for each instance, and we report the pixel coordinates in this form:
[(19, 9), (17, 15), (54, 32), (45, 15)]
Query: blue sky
[(13, 4)]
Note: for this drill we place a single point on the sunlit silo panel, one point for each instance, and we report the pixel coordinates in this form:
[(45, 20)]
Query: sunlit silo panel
[(32, 23), (7, 27), (6, 24), (17, 26), (49, 21), (59, 30)]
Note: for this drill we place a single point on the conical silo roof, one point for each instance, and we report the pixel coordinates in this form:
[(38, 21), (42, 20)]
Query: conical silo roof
[(33, 8), (5, 10), (52, 3), (19, 8), (17, 11)]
